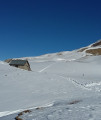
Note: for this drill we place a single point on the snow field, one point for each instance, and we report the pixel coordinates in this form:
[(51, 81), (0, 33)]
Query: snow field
[(64, 77)]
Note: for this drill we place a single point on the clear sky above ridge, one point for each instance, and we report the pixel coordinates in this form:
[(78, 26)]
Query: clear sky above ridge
[(35, 27)]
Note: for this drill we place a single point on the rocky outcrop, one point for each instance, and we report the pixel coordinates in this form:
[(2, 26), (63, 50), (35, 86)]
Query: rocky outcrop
[(94, 51)]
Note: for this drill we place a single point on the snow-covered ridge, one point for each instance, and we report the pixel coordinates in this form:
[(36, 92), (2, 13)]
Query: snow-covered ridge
[(68, 55), (93, 49), (61, 56)]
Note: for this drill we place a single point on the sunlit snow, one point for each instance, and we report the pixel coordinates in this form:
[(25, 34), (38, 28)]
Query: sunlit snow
[(55, 82)]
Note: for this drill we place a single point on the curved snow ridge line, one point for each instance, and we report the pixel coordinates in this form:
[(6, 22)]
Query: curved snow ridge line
[(41, 106), (75, 82), (2, 114)]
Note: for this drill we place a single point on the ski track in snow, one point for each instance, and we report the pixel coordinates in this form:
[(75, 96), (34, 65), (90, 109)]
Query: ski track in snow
[(75, 82), (46, 68), (2, 114), (95, 86)]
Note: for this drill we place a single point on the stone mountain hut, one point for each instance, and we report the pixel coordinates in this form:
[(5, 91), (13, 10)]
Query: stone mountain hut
[(23, 64)]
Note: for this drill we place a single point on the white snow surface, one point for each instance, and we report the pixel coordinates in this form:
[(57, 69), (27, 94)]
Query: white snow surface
[(57, 79)]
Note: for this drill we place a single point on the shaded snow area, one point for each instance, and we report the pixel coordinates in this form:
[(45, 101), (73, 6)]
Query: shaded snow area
[(61, 86)]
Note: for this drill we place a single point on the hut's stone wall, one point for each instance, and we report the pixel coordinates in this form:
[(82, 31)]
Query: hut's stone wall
[(25, 67)]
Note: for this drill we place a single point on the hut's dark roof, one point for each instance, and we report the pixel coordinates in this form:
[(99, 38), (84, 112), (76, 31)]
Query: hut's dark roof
[(18, 62)]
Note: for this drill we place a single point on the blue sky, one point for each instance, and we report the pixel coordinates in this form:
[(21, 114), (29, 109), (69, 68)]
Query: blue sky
[(36, 27)]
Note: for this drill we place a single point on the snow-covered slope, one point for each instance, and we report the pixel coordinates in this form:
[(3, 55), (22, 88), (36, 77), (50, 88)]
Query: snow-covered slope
[(62, 84)]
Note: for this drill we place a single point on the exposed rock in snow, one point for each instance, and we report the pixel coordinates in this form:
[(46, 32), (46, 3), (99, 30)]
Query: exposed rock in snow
[(98, 43)]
